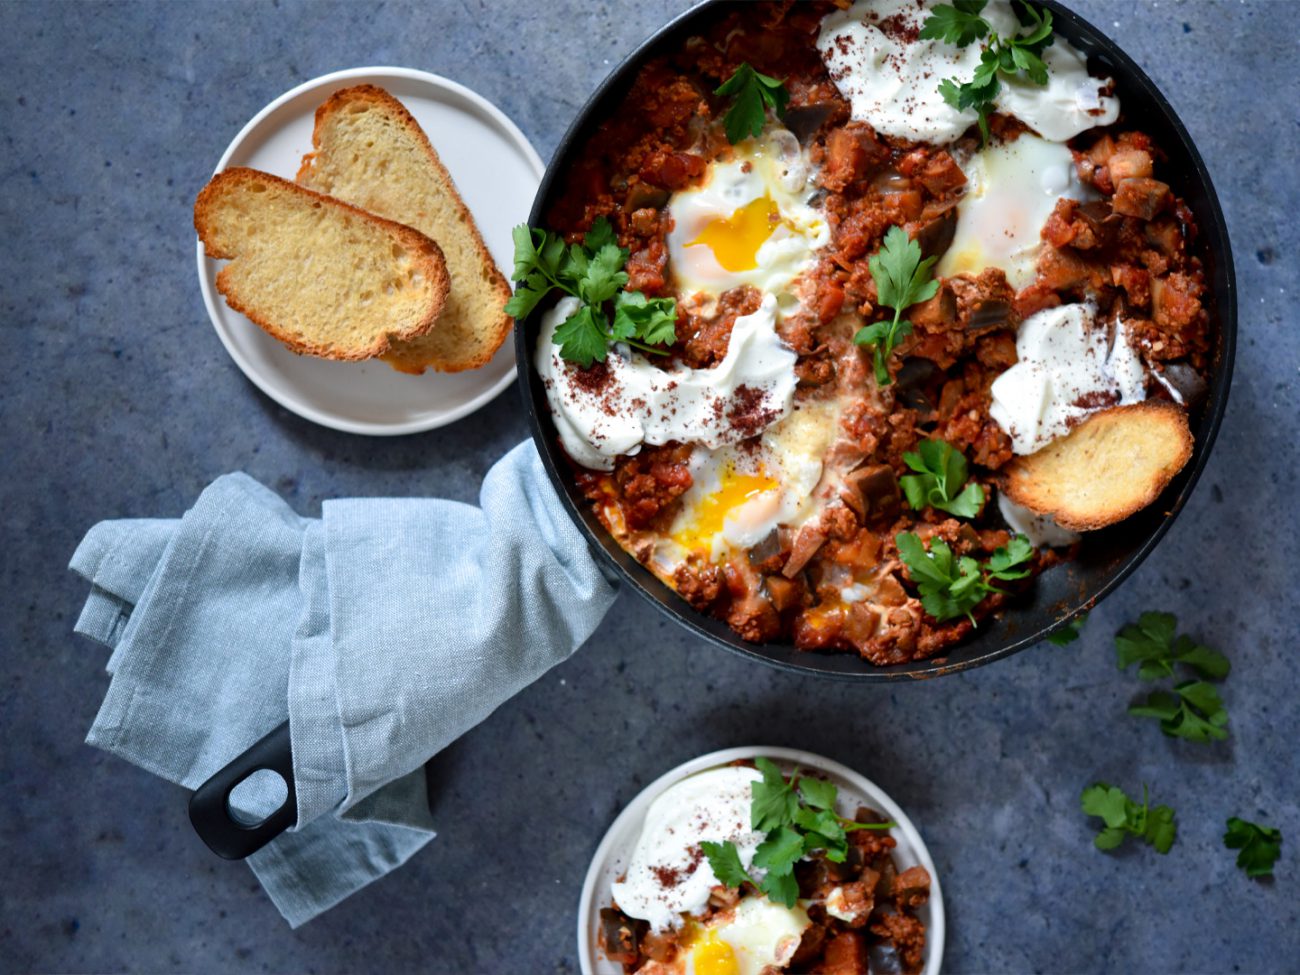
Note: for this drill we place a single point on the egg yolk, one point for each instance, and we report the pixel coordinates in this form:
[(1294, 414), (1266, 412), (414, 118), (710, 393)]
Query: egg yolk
[(711, 513), (713, 956), (735, 240)]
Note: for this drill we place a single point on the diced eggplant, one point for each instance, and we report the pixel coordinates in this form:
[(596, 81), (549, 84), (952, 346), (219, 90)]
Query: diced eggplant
[(876, 487), (620, 936)]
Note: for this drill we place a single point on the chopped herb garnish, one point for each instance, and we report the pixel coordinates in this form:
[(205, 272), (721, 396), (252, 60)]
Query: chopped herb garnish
[(952, 587), (1260, 846), (941, 472), (593, 273), (798, 819), (1020, 55), (902, 279), (1124, 817), (1193, 709), (1070, 631), (752, 94)]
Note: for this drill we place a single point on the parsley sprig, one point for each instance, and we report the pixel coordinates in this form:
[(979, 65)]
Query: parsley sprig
[(1021, 54), (1124, 817), (902, 279), (753, 93), (952, 587), (941, 472), (1193, 709), (593, 273), (798, 819), (1070, 632), (1260, 846)]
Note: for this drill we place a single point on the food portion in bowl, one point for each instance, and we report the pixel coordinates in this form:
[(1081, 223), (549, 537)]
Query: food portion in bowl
[(741, 870), (835, 275)]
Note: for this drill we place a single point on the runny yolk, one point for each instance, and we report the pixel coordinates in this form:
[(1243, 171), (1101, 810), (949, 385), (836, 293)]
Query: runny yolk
[(713, 956), (735, 240), (711, 513)]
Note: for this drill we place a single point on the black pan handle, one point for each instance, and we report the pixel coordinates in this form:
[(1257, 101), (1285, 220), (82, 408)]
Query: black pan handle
[(210, 804)]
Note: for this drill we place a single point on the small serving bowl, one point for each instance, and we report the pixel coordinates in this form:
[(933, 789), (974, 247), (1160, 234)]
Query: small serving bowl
[(615, 850)]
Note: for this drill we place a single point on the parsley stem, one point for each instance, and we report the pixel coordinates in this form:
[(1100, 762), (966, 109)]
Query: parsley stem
[(641, 346)]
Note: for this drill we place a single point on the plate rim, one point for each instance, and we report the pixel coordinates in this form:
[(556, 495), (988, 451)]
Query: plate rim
[(207, 268), (636, 806)]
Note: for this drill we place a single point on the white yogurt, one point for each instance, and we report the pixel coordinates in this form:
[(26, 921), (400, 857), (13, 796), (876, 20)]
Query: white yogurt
[(668, 876), (1039, 529), (1067, 369), (637, 402), (891, 77)]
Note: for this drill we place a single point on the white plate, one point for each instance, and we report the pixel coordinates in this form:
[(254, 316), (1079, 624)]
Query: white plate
[(497, 173), (615, 849)]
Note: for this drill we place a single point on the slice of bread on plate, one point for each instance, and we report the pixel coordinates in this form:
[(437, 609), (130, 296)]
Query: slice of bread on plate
[(369, 151), (324, 278), (1112, 465)]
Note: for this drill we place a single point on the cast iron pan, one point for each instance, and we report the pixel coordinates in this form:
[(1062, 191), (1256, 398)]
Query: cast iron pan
[(1105, 559)]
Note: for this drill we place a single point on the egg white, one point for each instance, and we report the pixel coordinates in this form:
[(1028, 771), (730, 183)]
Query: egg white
[(1012, 189), (774, 167), (755, 935), (741, 494)]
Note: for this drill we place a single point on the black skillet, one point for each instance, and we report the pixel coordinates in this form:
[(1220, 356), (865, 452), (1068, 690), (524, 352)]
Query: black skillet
[(1105, 558)]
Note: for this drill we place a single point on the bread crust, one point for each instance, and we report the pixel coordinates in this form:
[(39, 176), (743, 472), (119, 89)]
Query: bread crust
[(432, 264), (1110, 466), (415, 360)]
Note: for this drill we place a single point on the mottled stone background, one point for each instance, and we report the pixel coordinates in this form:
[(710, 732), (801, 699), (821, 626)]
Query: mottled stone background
[(118, 400)]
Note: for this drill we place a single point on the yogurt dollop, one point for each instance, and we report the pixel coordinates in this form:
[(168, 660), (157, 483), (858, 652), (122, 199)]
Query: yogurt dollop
[(1067, 369), (668, 875), (612, 409), (891, 76)]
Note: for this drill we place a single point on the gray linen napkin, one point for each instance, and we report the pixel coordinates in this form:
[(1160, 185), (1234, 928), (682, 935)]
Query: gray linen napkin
[(383, 630)]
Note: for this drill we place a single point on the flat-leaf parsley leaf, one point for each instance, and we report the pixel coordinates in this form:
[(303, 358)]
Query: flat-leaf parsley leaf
[(592, 272), (1123, 818), (902, 280), (1260, 846), (952, 587), (799, 818), (941, 472), (1020, 54), (1070, 632), (752, 94), (1193, 708)]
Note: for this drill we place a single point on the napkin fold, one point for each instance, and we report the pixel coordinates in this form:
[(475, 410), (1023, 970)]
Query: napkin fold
[(383, 630)]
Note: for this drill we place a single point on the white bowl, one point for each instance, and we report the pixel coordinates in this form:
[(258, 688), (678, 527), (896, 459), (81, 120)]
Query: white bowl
[(615, 849), (497, 173)]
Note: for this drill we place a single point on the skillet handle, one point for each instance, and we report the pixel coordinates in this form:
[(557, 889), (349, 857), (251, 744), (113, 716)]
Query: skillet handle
[(210, 804)]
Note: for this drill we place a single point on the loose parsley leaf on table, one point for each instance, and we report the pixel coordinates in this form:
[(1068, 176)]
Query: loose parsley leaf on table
[(938, 483), (593, 273), (1150, 643), (960, 23), (1260, 846), (1070, 631), (902, 280), (952, 587), (753, 93), (1124, 817), (797, 822), (1193, 709)]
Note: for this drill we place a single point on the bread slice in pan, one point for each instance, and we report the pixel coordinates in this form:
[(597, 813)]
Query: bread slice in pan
[(324, 278), (369, 151), (1113, 464)]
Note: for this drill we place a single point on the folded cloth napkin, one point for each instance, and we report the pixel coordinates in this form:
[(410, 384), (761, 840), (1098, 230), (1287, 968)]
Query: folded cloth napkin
[(383, 630)]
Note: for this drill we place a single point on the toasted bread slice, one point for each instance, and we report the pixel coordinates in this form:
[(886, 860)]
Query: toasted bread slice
[(1113, 464), (370, 152), (323, 277)]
